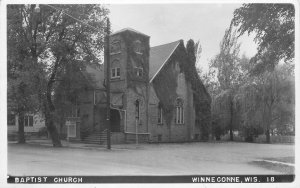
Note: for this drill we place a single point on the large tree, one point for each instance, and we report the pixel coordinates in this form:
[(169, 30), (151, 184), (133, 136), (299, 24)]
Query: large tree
[(26, 79), (228, 74), (53, 37), (267, 102), (274, 28)]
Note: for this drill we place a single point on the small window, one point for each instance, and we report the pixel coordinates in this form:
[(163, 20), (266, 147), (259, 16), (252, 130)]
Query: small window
[(160, 115), (177, 67), (137, 47), (115, 72), (28, 121), (139, 71), (118, 72)]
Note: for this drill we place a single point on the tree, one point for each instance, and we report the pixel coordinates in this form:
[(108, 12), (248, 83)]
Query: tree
[(57, 36), (228, 73), (274, 29), (25, 78), (265, 103), (23, 93)]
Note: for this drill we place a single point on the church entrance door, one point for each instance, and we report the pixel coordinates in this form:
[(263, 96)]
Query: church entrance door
[(115, 120)]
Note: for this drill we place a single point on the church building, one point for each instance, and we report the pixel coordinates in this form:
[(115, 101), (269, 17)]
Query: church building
[(151, 95)]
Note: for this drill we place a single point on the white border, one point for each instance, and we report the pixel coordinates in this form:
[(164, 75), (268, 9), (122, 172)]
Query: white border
[(3, 88)]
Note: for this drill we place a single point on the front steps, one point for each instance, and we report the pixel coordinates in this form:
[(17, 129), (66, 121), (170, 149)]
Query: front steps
[(97, 137), (100, 137)]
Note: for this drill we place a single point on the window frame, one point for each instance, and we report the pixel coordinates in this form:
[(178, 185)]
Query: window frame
[(139, 71), (115, 73), (138, 47), (137, 110), (115, 47), (179, 116), (160, 116), (28, 121)]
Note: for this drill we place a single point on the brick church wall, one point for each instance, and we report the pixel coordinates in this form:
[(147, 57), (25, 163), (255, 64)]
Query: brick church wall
[(174, 132)]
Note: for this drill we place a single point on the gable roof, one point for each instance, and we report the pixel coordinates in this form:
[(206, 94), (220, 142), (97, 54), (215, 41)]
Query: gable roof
[(159, 55)]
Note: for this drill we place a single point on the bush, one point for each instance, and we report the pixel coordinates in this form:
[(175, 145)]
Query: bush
[(251, 132), (218, 130)]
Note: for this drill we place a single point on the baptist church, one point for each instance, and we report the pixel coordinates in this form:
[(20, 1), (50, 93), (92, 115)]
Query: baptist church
[(150, 95)]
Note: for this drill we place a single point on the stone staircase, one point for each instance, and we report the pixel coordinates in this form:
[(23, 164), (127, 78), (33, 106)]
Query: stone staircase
[(97, 137)]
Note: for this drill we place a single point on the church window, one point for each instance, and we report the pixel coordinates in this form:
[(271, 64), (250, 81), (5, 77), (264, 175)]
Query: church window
[(28, 120), (139, 71), (137, 47), (115, 47), (177, 67), (115, 69), (160, 115), (137, 109), (179, 118), (115, 72)]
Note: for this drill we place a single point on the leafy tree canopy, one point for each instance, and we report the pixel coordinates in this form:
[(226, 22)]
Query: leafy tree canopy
[(227, 62), (57, 36), (274, 29)]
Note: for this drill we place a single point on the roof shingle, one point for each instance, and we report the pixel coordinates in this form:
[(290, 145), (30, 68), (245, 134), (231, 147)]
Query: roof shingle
[(159, 55)]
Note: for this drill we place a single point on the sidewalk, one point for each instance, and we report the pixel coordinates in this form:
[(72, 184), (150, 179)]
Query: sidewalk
[(78, 145)]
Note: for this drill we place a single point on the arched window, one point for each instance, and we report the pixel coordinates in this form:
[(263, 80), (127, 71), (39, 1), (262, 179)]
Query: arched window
[(115, 47), (137, 109), (160, 114), (179, 118), (137, 47)]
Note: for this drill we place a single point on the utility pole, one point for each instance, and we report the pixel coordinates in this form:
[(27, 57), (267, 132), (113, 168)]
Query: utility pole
[(107, 57), (137, 114)]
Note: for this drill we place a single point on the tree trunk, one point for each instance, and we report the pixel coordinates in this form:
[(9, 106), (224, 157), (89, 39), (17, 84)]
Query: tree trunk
[(231, 119), (231, 134), (21, 135), (53, 130), (268, 122), (268, 138), (50, 109)]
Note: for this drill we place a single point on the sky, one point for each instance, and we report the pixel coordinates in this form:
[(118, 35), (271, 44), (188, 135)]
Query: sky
[(166, 23)]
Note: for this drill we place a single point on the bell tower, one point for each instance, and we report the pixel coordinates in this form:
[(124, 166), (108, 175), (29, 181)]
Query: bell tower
[(129, 63)]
